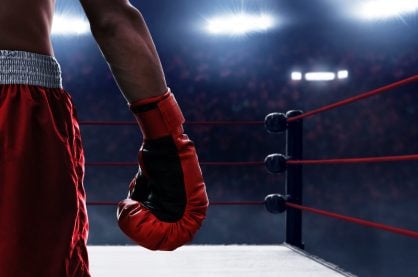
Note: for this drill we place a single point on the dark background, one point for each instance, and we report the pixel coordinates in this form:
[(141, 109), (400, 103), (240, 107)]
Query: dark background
[(245, 78)]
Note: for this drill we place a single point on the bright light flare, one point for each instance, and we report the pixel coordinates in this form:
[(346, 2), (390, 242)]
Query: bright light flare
[(342, 74), (320, 76), (240, 24), (296, 76), (65, 25), (380, 9)]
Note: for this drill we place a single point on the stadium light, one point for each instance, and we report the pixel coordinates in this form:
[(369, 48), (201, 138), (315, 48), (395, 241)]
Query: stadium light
[(342, 74), (240, 24), (380, 9), (69, 25), (296, 76), (319, 76)]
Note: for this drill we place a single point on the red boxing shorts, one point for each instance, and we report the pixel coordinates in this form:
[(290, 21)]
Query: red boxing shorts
[(43, 218)]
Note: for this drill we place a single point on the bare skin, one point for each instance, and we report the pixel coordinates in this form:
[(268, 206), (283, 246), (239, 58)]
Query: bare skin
[(25, 25), (117, 26), (123, 37)]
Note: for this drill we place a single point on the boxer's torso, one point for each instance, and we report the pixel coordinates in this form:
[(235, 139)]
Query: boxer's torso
[(25, 25)]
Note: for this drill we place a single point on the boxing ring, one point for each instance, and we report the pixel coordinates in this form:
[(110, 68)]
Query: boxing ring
[(191, 261), (288, 259)]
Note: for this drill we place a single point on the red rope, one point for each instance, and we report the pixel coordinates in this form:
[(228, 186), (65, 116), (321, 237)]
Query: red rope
[(108, 123), (102, 203), (112, 164), (218, 203), (239, 203), (356, 98), (379, 226), (413, 157), (232, 163), (228, 123), (128, 164), (190, 123)]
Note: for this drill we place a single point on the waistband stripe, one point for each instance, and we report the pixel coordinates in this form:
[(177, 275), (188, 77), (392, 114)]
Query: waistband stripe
[(19, 67)]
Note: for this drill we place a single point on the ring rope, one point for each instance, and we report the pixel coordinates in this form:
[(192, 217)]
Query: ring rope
[(399, 158), (128, 164), (228, 123), (216, 203), (189, 123), (358, 221), (356, 98), (413, 157)]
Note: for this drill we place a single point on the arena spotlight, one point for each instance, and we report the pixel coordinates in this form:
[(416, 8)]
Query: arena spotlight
[(381, 9), (240, 24), (342, 74), (319, 76), (65, 25), (296, 76)]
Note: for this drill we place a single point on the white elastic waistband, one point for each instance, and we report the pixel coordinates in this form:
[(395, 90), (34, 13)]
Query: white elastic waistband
[(19, 67)]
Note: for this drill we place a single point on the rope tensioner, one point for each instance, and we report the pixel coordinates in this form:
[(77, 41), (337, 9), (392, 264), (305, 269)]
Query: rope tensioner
[(276, 163), (276, 123)]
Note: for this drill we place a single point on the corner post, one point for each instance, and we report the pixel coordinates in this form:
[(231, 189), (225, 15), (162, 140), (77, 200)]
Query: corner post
[(294, 180)]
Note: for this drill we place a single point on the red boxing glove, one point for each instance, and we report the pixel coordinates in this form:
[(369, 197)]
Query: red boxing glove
[(167, 199)]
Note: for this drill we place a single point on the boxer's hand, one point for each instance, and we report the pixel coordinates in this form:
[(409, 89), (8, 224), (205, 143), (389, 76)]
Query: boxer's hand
[(167, 201)]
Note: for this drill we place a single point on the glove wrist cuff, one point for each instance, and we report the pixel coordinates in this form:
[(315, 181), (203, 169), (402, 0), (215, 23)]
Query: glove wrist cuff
[(158, 116)]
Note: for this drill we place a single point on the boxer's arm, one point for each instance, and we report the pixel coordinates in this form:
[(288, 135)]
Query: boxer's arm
[(124, 39), (168, 201)]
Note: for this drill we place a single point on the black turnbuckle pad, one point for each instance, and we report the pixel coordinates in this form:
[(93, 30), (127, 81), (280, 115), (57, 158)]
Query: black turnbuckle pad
[(276, 163), (275, 203), (275, 123)]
